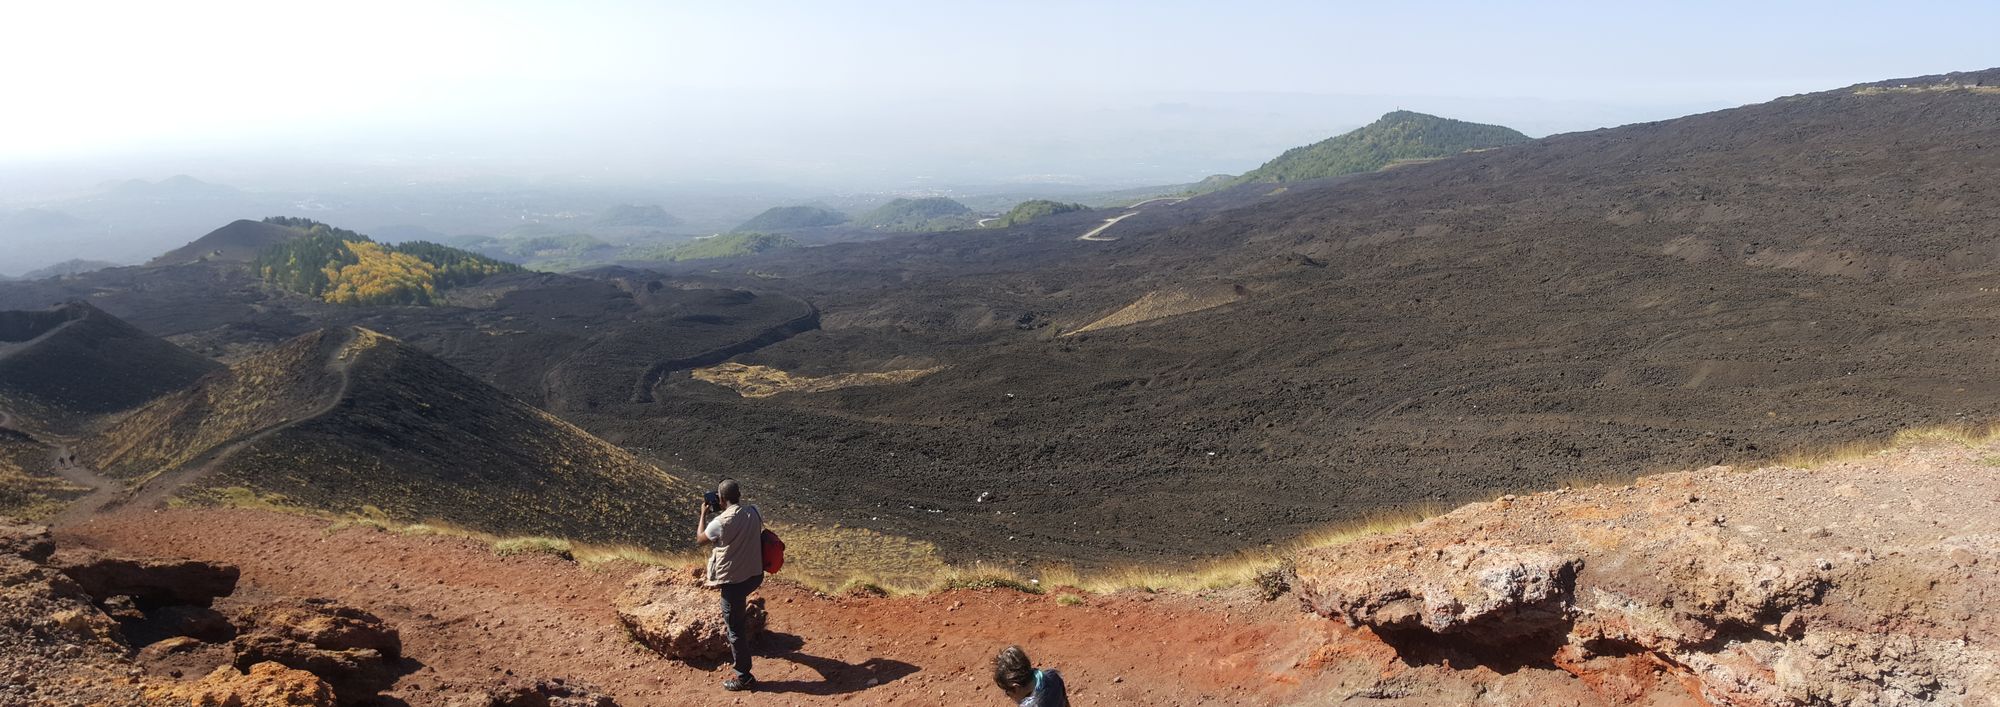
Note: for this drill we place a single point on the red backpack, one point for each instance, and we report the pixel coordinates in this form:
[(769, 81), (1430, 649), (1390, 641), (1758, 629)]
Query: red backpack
[(774, 552)]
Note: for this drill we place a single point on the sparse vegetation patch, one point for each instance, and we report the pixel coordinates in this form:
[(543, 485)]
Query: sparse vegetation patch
[(763, 381)]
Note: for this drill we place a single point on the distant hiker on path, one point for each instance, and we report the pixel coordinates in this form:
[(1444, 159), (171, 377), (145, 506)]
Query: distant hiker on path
[(1023, 683), (735, 567)]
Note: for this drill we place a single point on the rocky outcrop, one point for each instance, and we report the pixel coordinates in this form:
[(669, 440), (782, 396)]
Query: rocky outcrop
[(80, 628), (265, 685), (56, 646), (149, 582), (28, 542), (670, 612), (352, 650), (1861, 583)]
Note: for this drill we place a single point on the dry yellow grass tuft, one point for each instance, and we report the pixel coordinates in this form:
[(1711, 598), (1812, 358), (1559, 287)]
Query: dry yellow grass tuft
[(839, 559), (1967, 435), (764, 381), (1161, 304), (1237, 570)]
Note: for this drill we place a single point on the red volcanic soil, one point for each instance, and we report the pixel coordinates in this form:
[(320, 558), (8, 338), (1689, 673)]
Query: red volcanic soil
[(473, 619)]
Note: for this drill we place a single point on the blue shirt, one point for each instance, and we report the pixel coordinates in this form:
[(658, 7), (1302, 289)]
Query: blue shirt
[(1049, 691)]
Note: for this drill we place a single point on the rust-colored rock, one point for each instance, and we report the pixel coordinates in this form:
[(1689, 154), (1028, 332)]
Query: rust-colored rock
[(265, 685), (350, 649), (1861, 583), (56, 646), (150, 582), (670, 612)]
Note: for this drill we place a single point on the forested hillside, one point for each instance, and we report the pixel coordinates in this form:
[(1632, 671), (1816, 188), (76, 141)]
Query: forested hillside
[(344, 267), (918, 215), (1033, 209), (1400, 135)]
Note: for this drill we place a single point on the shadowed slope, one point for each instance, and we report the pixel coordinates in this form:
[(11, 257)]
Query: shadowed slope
[(240, 241), (59, 367), (353, 421)]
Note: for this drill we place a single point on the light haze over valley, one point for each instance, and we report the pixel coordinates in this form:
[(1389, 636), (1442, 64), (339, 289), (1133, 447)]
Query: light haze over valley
[(447, 120)]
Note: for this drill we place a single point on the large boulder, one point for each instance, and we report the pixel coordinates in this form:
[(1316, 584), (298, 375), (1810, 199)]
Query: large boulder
[(351, 649), (1390, 585), (151, 583), (672, 613), (265, 685)]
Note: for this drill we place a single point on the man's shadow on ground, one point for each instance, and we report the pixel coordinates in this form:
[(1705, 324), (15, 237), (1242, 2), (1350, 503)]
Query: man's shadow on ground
[(836, 678)]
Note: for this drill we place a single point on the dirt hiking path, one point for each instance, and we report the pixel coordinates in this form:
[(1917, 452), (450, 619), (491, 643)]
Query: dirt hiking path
[(474, 619)]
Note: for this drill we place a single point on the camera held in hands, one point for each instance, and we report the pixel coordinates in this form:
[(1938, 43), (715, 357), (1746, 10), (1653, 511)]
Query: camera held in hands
[(711, 501)]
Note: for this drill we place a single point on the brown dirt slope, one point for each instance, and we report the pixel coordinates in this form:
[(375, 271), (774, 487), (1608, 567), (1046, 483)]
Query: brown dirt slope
[(28, 490), (61, 367), (288, 383), (354, 421), (470, 618)]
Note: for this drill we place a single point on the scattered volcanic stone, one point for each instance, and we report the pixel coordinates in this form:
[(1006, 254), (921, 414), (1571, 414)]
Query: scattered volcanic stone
[(539, 693), (31, 542)]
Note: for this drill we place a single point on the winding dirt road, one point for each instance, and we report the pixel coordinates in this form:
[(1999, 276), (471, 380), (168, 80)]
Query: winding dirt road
[(1133, 211)]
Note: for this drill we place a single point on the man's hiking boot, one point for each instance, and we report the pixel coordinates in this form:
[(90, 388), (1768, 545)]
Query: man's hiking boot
[(739, 684)]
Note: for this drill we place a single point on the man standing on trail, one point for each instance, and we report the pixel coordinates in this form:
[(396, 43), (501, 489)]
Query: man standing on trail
[(735, 567)]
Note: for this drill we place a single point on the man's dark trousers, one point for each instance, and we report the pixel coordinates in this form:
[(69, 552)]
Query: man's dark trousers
[(735, 598)]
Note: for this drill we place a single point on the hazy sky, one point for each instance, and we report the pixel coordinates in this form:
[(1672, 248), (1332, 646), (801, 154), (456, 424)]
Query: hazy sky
[(823, 85)]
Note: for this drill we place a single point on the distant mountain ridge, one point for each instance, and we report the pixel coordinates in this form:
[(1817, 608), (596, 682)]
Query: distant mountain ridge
[(75, 266), (1396, 136), (637, 216)]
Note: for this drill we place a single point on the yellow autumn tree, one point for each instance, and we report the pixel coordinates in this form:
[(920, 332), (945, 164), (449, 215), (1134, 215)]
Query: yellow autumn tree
[(381, 276)]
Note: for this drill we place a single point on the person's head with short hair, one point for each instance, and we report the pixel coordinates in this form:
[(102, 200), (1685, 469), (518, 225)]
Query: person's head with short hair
[(1013, 673), (730, 491)]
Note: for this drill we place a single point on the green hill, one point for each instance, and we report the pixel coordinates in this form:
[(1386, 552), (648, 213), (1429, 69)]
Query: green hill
[(344, 267), (792, 218), (1033, 209), (918, 215), (637, 216), (727, 245), (1397, 136)]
